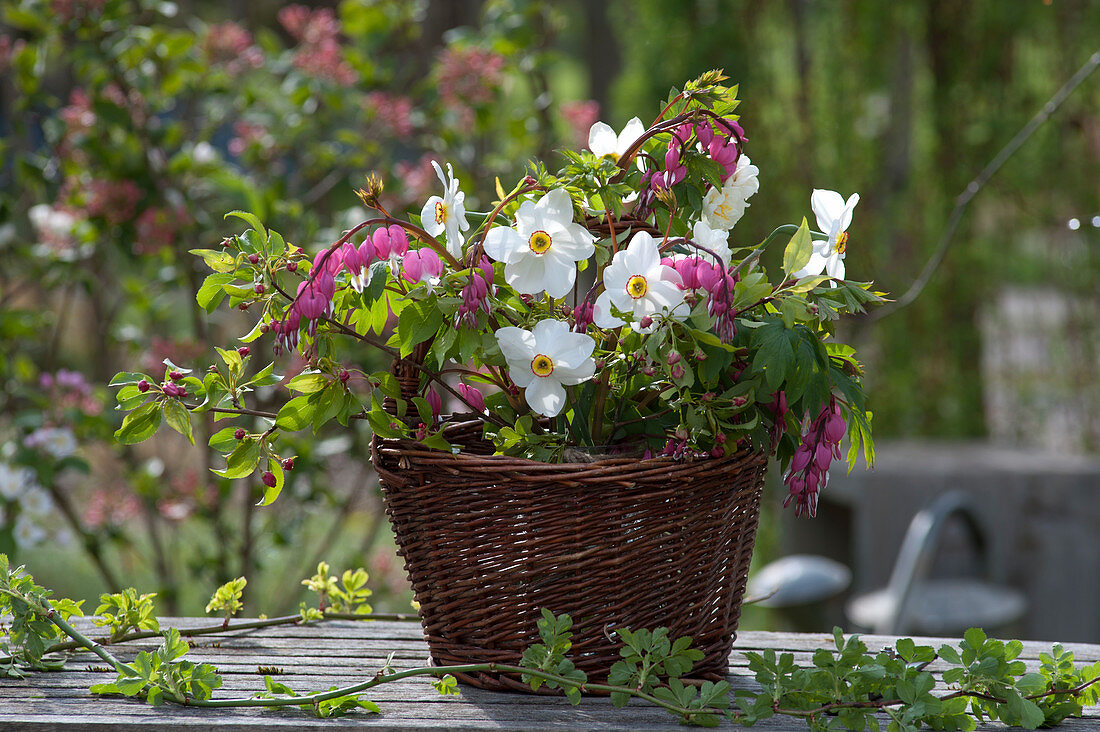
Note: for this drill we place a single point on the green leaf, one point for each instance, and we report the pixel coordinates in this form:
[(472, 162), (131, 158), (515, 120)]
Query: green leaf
[(418, 322), (212, 291), (125, 377), (140, 424), (296, 414), (309, 382), (798, 251), (272, 492), (178, 418), (242, 461), (251, 219)]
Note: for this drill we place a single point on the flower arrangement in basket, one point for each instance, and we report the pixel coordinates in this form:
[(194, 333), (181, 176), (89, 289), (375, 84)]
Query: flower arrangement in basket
[(617, 364)]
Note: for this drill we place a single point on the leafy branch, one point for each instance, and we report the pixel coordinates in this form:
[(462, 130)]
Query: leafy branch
[(844, 687)]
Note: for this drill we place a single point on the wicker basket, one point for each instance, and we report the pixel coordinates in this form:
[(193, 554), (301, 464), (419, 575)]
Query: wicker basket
[(490, 540)]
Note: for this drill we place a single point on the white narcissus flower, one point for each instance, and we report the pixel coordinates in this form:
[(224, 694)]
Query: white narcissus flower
[(603, 142), (636, 282), (834, 216), (542, 251), (723, 207), (545, 359), (716, 240), (447, 213)]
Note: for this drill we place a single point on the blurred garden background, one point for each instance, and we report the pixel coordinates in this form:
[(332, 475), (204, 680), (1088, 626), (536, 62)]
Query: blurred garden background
[(129, 127)]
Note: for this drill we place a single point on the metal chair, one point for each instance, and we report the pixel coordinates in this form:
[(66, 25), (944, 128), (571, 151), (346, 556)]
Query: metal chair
[(913, 602)]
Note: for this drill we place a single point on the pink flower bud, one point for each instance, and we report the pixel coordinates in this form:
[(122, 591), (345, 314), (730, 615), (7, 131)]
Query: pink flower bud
[(288, 464), (645, 321), (143, 386), (269, 479), (175, 375), (243, 351), (238, 434), (673, 357), (705, 133), (435, 402), (345, 376), (677, 372), (254, 258), (473, 396), (291, 266), (259, 289), (801, 459), (835, 428), (823, 457)]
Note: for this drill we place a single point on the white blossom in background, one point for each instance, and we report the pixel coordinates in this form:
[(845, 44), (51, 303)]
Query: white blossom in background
[(13, 481), (27, 532), (36, 501), (603, 142), (723, 207), (636, 282), (544, 360), (542, 251), (447, 213), (56, 441), (834, 216)]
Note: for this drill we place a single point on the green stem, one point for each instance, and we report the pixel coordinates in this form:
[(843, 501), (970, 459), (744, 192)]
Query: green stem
[(44, 609)]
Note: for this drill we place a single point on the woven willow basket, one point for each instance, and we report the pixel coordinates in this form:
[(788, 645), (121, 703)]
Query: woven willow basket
[(490, 540)]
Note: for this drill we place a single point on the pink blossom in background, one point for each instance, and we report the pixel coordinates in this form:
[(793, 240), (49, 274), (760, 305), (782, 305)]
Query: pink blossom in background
[(467, 78), (417, 178), (230, 44), (69, 9), (248, 134), (113, 200), (392, 112), (106, 507), (78, 116), (319, 50), (580, 116), (157, 228)]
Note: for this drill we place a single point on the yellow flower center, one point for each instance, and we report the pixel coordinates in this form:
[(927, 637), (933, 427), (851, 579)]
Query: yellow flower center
[(542, 365), (539, 242), (841, 242), (637, 286), (440, 212)]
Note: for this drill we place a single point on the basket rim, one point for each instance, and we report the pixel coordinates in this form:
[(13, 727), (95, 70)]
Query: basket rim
[(408, 448)]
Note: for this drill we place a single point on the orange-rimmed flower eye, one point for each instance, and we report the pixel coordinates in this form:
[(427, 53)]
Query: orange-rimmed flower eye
[(637, 286), (440, 212), (539, 242), (542, 365)]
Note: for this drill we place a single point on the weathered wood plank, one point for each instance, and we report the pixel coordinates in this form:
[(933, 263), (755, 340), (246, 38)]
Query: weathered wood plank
[(341, 652)]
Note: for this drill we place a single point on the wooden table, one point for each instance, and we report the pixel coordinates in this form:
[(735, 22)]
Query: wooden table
[(343, 652)]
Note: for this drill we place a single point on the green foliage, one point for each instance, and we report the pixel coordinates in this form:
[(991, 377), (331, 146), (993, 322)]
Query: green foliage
[(227, 598), (549, 656), (348, 594), (337, 706), (124, 611), (161, 676), (28, 632)]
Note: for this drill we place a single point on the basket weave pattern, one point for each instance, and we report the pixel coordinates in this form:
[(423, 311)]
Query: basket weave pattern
[(490, 540)]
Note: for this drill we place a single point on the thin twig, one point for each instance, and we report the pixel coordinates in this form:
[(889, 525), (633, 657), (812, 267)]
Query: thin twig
[(963, 199)]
